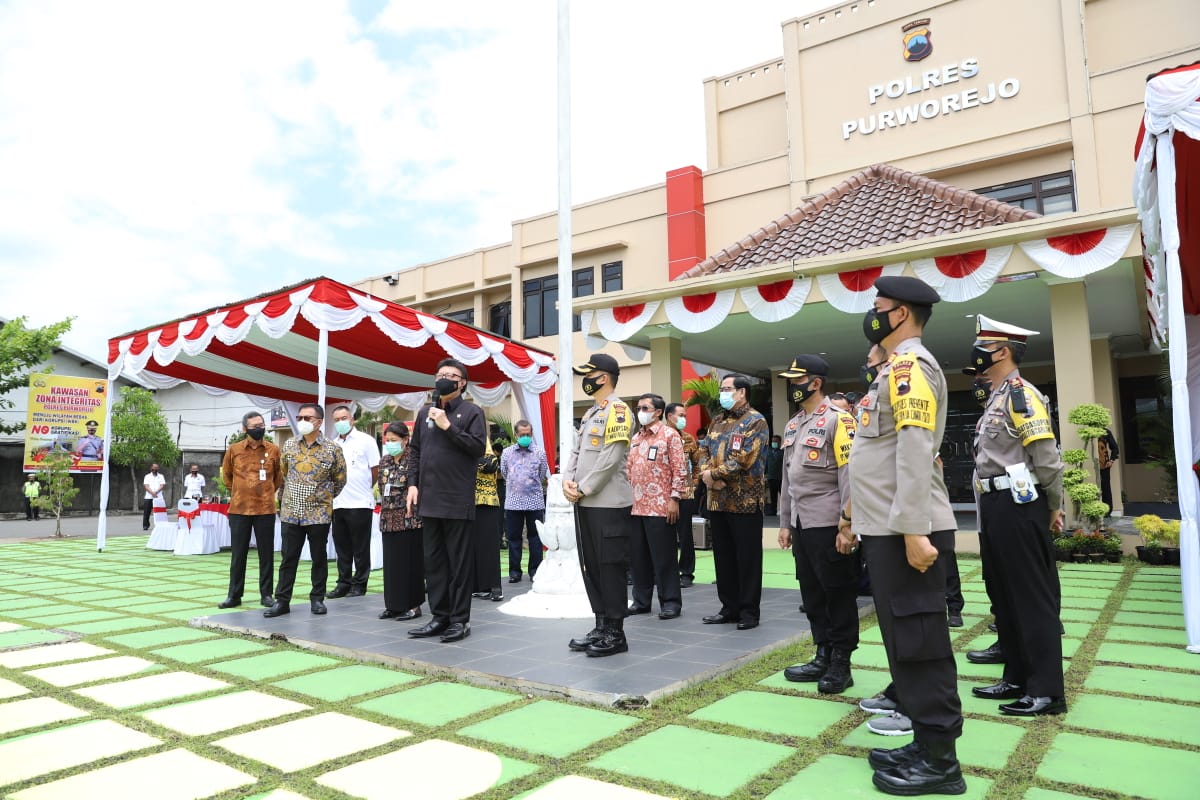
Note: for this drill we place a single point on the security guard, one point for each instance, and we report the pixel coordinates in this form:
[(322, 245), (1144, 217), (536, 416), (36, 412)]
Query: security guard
[(902, 513), (1019, 481), (815, 488), (595, 480)]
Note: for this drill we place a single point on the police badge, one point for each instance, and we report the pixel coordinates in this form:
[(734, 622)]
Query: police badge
[(918, 40)]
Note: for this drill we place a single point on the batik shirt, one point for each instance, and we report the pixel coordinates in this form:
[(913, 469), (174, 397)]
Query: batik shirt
[(486, 492), (313, 475), (735, 454), (657, 469), (524, 470)]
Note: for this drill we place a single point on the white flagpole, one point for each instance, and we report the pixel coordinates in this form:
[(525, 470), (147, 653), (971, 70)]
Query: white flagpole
[(566, 384)]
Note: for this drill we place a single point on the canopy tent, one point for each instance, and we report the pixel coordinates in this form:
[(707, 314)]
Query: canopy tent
[(1167, 194), (323, 341)]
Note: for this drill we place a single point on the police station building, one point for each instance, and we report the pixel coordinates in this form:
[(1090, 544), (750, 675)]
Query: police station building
[(984, 147)]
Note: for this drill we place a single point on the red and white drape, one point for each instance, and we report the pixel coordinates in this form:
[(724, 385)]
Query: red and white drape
[(1080, 254)]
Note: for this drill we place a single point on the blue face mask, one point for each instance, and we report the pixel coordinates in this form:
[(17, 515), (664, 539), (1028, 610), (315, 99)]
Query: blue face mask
[(524, 441), (681, 422), (342, 426), (726, 400), (393, 449)]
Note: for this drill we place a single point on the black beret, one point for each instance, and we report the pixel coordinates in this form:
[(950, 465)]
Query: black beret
[(806, 364), (601, 362), (906, 290)]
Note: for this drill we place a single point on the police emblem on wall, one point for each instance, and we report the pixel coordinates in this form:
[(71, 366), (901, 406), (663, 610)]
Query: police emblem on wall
[(918, 40)]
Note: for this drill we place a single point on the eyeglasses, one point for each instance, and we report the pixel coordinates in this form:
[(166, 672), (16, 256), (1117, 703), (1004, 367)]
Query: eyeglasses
[(307, 417), (448, 376)]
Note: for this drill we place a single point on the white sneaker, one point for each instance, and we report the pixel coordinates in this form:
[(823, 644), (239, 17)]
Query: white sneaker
[(894, 724), (879, 704)]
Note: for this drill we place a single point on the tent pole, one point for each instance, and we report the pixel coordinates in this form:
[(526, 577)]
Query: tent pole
[(322, 365), (102, 520), (566, 387)]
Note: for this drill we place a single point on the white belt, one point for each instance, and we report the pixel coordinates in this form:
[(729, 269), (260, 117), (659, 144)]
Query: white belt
[(985, 485)]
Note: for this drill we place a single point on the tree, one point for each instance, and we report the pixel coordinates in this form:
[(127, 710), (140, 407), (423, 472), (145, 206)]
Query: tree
[(21, 349), (140, 435), (58, 486)]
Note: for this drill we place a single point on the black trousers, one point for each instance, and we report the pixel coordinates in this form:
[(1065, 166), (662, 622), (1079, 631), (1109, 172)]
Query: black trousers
[(954, 595), (147, 512), (403, 570), (1014, 541), (449, 567), (514, 523), (683, 532), (1106, 488), (294, 537), (485, 547), (240, 528), (653, 562), (911, 608), (828, 584), (31, 511), (738, 557), (352, 541), (603, 538)]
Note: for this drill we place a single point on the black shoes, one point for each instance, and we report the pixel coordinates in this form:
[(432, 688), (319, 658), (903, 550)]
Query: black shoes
[(338, 592), (930, 769), (747, 624), (813, 670), (954, 619), (635, 610), (610, 642), (277, 609), (1034, 706), (999, 691), (456, 632), (480, 595), (317, 606), (495, 595), (588, 639), (837, 678), (412, 613), (992, 655), (669, 613), (267, 601), (230, 602), (432, 628), (514, 578), (356, 593), (387, 613), (685, 581), (885, 758), (717, 619)]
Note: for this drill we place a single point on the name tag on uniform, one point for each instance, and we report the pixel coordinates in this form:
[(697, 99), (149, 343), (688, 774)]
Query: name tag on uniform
[(387, 489), (736, 442), (652, 453), (262, 474)]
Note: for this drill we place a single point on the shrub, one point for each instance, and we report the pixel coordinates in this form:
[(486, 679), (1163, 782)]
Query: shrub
[(1094, 510), (1151, 528), (1083, 493), (1091, 415), (1075, 456), (1074, 477), (1112, 543), (1170, 534)]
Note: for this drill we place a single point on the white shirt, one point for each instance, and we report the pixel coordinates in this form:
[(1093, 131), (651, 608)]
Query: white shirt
[(156, 484), (362, 453), (193, 484)]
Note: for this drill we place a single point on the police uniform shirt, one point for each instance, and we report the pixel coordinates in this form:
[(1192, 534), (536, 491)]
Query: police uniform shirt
[(598, 459), (895, 484), (816, 455), (1005, 436)]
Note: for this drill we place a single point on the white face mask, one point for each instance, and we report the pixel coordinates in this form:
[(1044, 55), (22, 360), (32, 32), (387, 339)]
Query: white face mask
[(304, 427), (645, 417), (681, 422), (342, 426)]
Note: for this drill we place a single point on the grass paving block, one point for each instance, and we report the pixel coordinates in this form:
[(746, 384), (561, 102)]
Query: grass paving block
[(771, 713), (983, 673), (984, 743), (1088, 615), (341, 683), (26, 637), (1154, 607), (197, 652), (161, 606), (1144, 718), (867, 683), (67, 620), (272, 665), (1076, 629), (1165, 594), (1137, 633), (550, 728), (161, 636), (1070, 592), (189, 613), (1148, 655), (1038, 793), (696, 760), (437, 703), (1144, 683), (1149, 620), (1093, 603), (112, 625), (1132, 768), (852, 777), (869, 655)]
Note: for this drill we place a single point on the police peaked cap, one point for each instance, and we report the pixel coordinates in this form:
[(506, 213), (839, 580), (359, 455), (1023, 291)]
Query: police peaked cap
[(990, 330), (806, 365), (601, 362), (907, 290)]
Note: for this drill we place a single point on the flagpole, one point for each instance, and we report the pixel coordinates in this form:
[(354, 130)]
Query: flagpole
[(566, 385)]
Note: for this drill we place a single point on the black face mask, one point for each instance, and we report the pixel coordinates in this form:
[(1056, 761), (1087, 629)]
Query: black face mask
[(800, 393), (981, 359), (982, 389), (877, 324), (591, 386), (256, 433), (445, 386), (869, 373)]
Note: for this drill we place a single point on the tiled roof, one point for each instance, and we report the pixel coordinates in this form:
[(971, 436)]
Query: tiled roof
[(880, 205)]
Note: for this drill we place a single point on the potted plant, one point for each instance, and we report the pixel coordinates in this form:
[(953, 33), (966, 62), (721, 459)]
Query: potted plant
[(1112, 547), (1091, 422), (1170, 542), (1063, 547), (1093, 511), (1151, 528)]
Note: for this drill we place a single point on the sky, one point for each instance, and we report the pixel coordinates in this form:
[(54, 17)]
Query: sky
[(161, 158)]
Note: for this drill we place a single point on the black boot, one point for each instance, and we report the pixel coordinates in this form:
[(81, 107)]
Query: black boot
[(883, 757), (813, 670), (581, 644), (932, 770), (837, 677), (612, 641)]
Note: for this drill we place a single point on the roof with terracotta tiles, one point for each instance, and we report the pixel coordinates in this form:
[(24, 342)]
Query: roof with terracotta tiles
[(880, 205)]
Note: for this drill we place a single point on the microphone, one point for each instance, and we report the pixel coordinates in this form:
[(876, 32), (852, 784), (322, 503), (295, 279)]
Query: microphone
[(436, 399)]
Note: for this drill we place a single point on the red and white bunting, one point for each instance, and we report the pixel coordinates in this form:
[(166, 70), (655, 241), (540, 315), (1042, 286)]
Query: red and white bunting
[(698, 313), (964, 276), (618, 324), (1080, 254), (775, 302), (854, 291)]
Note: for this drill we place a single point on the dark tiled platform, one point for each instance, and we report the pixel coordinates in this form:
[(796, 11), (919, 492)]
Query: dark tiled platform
[(531, 655)]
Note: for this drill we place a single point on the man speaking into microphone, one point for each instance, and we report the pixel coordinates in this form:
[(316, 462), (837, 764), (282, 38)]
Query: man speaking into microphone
[(448, 439)]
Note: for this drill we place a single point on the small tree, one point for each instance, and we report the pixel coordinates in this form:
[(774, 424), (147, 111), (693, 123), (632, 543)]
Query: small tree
[(140, 435), (58, 486), (22, 349)]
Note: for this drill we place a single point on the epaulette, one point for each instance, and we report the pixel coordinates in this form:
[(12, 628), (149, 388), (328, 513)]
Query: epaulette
[(1016, 395)]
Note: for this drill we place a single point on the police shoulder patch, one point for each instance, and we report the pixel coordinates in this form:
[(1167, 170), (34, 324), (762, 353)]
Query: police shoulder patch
[(913, 400), (617, 427)]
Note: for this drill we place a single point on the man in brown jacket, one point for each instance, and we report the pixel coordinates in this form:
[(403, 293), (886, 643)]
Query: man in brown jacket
[(251, 469)]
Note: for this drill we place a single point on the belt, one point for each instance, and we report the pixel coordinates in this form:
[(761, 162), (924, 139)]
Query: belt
[(985, 485)]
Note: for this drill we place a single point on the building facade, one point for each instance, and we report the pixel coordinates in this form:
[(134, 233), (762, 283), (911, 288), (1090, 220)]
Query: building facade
[(886, 112)]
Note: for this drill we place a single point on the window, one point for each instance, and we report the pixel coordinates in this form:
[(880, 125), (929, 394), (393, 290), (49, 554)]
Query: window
[(541, 299), (1146, 421), (465, 316), (500, 318), (611, 276), (1049, 194)]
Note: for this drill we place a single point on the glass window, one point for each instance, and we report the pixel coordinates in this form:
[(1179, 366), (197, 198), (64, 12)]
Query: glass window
[(1049, 194), (466, 315), (1146, 427), (500, 318), (611, 273)]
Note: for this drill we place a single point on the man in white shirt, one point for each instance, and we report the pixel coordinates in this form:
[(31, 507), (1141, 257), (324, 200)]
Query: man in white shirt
[(353, 507), (153, 483), (193, 483)]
